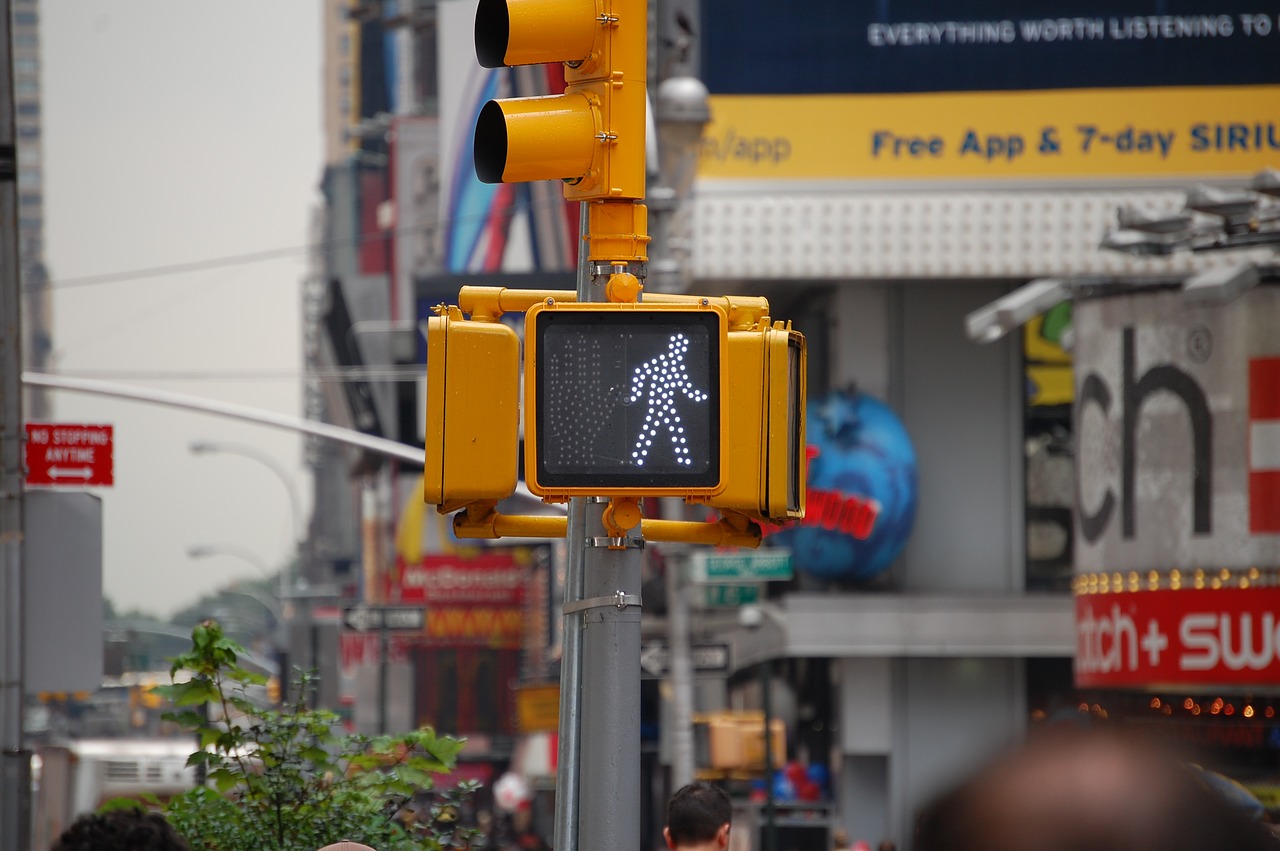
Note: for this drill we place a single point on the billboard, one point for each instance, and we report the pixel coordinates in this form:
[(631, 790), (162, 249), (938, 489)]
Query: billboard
[(1177, 432), (1206, 636), (989, 90)]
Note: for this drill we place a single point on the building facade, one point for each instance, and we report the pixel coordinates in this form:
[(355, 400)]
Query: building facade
[(37, 320)]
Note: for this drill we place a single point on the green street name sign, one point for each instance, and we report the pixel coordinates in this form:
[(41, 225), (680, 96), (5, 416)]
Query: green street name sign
[(758, 566)]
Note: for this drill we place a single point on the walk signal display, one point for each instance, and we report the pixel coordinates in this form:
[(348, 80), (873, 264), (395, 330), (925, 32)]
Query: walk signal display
[(623, 399), (473, 411), (592, 136)]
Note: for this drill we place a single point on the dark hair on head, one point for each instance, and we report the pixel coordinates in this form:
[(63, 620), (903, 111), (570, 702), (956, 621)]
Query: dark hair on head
[(696, 812), (120, 830), (1069, 789)]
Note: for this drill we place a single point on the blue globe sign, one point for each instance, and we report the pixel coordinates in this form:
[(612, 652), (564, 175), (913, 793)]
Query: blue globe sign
[(862, 490)]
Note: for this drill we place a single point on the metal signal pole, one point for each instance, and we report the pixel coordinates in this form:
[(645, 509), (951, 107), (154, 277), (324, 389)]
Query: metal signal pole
[(15, 763), (608, 617)]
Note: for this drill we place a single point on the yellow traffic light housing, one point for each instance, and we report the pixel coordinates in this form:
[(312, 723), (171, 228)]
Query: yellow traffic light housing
[(624, 399), (473, 413), (764, 427), (592, 136)]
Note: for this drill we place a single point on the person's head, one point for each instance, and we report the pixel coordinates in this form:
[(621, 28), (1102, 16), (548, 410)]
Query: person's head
[(698, 814), (1069, 789), (839, 838), (120, 830)]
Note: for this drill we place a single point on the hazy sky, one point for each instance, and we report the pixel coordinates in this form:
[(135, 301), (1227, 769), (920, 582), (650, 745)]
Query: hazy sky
[(179, 132)]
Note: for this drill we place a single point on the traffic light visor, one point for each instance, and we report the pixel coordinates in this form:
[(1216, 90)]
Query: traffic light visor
[(552, 137), (795, 460), (626, 399), (531, 32)]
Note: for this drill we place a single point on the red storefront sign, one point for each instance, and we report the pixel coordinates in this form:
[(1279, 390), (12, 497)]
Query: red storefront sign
[(69, 455), (494, 579), (1192, 637)]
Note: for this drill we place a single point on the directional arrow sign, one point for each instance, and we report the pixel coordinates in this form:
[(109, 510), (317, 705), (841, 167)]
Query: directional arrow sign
[(655, 659), (399, 618)]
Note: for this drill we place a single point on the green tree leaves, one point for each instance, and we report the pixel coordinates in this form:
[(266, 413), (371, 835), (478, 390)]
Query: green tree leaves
[(281, 780)]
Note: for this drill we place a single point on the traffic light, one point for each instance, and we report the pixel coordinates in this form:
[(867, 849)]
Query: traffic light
[(624, 399), (592, 136), (473, 412), (764, 429)]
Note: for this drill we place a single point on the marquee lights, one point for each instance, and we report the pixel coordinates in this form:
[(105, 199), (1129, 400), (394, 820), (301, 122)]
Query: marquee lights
[(1212, 579)]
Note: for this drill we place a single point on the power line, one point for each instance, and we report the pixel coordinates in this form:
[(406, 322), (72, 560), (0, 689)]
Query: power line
[(256, 256), (408, 372)]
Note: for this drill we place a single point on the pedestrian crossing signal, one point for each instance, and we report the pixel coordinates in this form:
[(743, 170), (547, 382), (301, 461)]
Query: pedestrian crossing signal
[(623, 399), (472, 412)]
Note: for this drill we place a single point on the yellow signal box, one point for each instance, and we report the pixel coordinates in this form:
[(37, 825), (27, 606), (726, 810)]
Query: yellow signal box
[(624, 399), (473, 411), (763, 440), (592, 136)]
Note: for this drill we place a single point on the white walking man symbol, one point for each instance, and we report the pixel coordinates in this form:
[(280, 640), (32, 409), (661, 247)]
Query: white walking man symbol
[(665, 376)]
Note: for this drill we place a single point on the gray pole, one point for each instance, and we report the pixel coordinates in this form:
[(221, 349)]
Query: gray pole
[(770, 842), (610, 764), (682, 757), (565, 837), (384, 669), (609, 761), (568, 772), (15, 762)]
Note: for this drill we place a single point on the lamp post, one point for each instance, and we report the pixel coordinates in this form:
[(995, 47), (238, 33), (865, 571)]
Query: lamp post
[(752, 617), (205, 447), (247, 555), (233, 550)]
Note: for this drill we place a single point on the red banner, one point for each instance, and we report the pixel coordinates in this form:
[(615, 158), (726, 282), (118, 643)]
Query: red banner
[(1226, 637)]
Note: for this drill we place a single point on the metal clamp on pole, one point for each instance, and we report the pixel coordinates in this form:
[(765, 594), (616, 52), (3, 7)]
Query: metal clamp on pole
[(626, 542), (619, 600)]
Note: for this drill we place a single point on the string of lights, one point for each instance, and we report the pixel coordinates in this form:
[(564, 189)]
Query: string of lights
[(1174, 580)]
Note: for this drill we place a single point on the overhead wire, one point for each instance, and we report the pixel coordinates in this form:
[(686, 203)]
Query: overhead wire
[(255, 256), (407, 372)]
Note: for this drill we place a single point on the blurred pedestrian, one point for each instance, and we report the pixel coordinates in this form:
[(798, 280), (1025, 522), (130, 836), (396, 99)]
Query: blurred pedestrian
[(120, 830), (698, 818), (1070, 789), (524, 837)]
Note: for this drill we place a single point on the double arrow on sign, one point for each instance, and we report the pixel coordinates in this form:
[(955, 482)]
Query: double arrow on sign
[(655, 658), (367, 618), (70, 472)]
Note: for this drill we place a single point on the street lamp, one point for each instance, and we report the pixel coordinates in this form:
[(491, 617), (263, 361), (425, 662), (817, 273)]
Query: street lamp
[(205, 447), (233, 550), (247, 555), (681, 113), (276, 606)]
